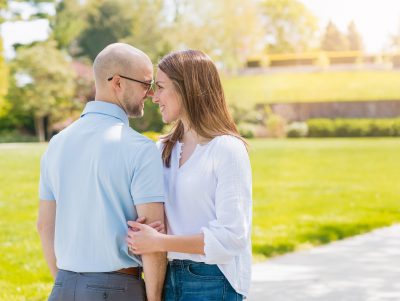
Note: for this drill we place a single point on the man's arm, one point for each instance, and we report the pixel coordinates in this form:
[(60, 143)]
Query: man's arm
[(154, 264), (46, 227)]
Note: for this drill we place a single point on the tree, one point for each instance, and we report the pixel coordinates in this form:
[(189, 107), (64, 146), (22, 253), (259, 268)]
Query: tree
[(393, 43), (3, 82), (43, 83), (354, 38), (149, 28), (66, 27), (3, 6), (289, 25), (37, 10), (3, 69), (227, 30), (108, 21), (333, 39)]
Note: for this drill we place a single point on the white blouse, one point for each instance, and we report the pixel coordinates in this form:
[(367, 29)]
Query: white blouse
[(211, 194)]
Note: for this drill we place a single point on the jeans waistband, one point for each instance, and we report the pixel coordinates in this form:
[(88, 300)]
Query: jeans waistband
[(183, 262)]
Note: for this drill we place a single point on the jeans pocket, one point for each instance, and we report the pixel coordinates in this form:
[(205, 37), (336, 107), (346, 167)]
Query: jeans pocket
[(205, 271)]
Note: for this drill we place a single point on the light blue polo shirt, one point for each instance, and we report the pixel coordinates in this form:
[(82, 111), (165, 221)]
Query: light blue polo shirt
[(97, 170)]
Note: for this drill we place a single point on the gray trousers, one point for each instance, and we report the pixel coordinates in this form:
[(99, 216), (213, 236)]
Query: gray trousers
[(71, 286)]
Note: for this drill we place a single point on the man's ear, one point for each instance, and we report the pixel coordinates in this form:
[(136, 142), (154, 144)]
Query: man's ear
[(116, 83)]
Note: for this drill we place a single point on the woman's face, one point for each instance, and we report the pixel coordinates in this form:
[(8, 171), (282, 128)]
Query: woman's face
[(167, 98)]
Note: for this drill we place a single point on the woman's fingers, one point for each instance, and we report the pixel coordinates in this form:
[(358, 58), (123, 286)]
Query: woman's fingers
[(161, 229), (158, 226), (141, 219), (135, 225), (155, 224)]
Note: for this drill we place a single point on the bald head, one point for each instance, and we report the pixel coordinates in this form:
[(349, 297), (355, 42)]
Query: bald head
[(119, 58)]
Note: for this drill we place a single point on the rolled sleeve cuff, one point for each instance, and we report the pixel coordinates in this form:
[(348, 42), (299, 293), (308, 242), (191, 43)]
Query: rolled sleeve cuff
[(149, 199), (215, 252), (46, 196)]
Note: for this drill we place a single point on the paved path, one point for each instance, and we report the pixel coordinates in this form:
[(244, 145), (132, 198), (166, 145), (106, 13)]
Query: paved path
[(361, 268)]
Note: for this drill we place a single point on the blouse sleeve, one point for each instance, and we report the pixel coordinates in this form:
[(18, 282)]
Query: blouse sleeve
[(229, 234)]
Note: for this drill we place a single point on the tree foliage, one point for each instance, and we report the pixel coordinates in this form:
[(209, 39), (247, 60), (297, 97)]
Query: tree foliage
[(149, 29), (333, 39), (3, 81), (354, 37), (43, 83), (289, 25), (108, 21), (228, 30), (66, 26)]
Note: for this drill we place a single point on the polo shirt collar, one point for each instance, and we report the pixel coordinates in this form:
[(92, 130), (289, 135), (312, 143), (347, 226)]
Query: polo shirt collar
[(106, 108)]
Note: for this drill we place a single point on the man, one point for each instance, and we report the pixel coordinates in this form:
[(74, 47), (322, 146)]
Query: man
[(95, 176)]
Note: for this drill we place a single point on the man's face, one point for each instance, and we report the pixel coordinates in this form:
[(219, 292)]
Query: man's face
[(135, 93)]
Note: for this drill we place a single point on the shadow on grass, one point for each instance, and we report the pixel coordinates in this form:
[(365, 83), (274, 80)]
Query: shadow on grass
[(327, 233), (319, 235), (269, 250)]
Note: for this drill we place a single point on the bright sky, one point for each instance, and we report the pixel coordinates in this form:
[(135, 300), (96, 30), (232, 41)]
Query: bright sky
[(375, 20)]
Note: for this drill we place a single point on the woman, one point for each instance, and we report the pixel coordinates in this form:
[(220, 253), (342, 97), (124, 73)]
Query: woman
[(207, 183)]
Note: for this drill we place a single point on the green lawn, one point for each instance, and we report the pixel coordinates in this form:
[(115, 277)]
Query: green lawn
[(310, 192), (246, 91), (306, 192)]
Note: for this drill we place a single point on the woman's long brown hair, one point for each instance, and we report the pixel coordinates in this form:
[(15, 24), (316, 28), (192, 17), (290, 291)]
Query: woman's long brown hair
[(196, 80)]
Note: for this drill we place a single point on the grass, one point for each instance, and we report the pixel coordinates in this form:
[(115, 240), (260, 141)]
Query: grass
[(310, 192), (246, 91), (23, 272), (306, 192)]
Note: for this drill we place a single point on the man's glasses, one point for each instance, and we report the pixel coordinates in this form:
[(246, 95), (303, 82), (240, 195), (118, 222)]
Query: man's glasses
[(149, 84)]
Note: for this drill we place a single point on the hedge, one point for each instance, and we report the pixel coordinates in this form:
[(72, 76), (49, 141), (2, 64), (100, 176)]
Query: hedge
[(353, 127)]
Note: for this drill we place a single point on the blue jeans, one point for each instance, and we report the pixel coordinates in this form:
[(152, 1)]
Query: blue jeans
[(188, 280)]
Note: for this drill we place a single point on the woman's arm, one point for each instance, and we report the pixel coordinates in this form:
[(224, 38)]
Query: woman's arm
[(144, 239)]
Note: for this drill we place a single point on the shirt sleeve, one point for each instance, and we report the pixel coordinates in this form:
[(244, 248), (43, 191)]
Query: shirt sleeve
[(147, 184), (229, 234), (45, 191)]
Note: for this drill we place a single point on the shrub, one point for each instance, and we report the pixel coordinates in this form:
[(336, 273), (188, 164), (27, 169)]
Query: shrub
[(382, 128), (15, 136), (320, 128), (247, 130), (276, 125), (396, 127), (353, 127), (296, 130)]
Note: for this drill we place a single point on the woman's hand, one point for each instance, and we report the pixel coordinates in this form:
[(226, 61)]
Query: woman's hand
[(159, 226), (143, 238)]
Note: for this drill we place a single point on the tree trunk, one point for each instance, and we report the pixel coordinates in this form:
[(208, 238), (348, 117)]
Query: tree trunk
[(40, 128)]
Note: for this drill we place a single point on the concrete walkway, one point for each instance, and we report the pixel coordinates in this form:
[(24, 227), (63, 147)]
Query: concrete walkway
[(361, 268)]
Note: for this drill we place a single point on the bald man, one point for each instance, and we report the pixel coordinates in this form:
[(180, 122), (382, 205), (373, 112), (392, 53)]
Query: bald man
[(96, 175)]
